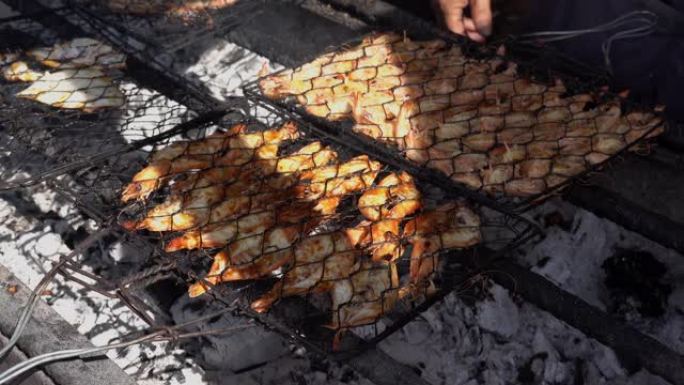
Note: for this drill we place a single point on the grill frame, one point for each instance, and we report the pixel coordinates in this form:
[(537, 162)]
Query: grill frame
[(106, 132), (152, 30), (563, 305), (92, 182), (306, 328), (156, 55)]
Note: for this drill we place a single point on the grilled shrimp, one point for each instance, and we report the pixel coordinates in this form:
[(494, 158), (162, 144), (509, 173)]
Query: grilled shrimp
[(203, 154), (450, 226), (363, 298), (395, 197), (318, 260)]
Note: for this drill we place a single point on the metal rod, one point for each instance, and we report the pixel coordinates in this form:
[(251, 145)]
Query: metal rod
[(157, 336), (35, 294), (81, 282)]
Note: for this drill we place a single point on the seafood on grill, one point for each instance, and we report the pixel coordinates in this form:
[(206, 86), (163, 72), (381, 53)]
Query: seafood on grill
[(211, 198), (281, 225), (19, 71), (450, 226), (87, 89), (245, 218), (362, 298), (338, 180), (395, 197), (184, 9), (385, 206), (272, 209), (318, 261), (476, 120), (203, 155), (82, 52)]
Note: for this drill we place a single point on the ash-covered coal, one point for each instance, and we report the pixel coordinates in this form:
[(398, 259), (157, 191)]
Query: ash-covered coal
[(634, 279)]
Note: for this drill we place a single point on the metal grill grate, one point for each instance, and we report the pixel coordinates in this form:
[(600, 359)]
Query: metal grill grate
[(293, 211), (94, 180), (173, 36), (465, 117), (65, 102), (281, 211), (170, 26)]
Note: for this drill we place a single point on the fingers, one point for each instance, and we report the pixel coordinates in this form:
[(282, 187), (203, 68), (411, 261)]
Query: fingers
[(477, 27), (481, 13), (472, 32), (452, 14), (455, 22)]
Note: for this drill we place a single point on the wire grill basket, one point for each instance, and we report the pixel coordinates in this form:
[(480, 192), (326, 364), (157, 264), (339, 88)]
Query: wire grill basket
[(185, 39), (67, 101), (280, 213), (288, 265), (470, 119), (170, 26), (292, 223)]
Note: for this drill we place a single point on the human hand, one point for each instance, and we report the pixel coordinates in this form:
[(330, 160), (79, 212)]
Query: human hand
[(476, 27)]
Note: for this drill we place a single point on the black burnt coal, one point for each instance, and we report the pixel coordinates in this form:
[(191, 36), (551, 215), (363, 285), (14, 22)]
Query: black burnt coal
[(634, 279)]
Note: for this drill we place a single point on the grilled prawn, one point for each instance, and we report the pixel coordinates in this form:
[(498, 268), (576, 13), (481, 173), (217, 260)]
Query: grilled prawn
[(364, 297), (478, 121), (451, 226), (204, 154), (318, 261)]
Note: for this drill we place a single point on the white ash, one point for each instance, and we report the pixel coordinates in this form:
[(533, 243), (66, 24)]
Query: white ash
[(28, 248), (488, 313), (573, 260), (498, 341), (252, 355), (148, 113), (225, 67), (231, 352), (293, 370)]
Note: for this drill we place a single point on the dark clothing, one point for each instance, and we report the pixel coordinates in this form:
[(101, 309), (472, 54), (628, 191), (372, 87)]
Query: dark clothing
[(652, 67)]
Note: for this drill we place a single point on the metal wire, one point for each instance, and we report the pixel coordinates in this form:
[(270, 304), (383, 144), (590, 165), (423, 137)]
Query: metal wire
[(148, 277), (157, 336), (25, 316), (628, 26)]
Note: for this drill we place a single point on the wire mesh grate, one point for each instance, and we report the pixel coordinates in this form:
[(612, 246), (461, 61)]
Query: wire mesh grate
[(475, 118), (185, 38), (170, 26), (292, 211), (278, 213), (65, 101), (270, 209)]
